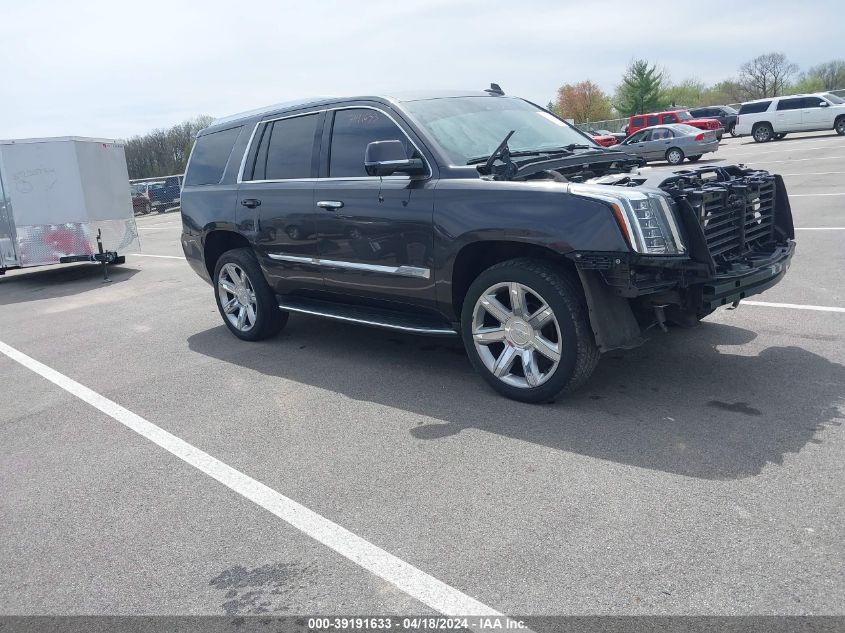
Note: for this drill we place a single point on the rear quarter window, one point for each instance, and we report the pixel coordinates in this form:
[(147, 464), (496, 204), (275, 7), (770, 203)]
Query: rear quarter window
[(753, 108), (210, 156)]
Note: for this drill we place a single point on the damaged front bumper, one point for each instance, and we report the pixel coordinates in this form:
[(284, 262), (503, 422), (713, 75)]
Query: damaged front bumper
[(729, 288)]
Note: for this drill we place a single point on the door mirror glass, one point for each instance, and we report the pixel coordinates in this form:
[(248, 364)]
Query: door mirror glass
[(383, 158)]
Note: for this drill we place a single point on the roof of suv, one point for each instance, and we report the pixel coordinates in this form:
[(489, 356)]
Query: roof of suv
[(297, 104)]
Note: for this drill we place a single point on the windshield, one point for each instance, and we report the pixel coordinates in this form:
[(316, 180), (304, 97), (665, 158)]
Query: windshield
[(683, 115), (833, 98), (472, 127)]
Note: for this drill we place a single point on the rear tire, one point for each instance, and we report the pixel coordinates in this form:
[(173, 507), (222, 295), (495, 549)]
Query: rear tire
[(732, 130), (839, 126), (779, 136), (246, 302), (674, 156), (517, 318), (762, 132), (694, 159)]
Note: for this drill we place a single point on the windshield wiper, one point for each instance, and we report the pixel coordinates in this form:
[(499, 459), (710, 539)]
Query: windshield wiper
[(501, 151)]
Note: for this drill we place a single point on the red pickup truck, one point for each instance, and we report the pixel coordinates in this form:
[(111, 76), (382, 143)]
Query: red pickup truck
[(639, 121)]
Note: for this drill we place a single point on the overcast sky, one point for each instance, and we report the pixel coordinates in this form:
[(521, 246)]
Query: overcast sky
[(113, 69)]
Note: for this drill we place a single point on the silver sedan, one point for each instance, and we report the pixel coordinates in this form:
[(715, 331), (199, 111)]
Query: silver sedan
[(671, 143)]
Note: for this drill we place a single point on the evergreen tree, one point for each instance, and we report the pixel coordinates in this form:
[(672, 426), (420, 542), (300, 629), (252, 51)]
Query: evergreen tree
[(640, 90)]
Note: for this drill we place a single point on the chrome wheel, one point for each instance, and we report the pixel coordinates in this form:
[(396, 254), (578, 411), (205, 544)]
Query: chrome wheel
[(237, 297), (516, 334), (762, 133)]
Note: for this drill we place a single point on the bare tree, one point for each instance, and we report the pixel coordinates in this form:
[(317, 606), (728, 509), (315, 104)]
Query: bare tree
[(831, 73), (163, 152), (766, 75)]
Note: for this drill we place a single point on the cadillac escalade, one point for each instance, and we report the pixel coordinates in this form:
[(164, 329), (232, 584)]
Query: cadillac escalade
[(471, 214)]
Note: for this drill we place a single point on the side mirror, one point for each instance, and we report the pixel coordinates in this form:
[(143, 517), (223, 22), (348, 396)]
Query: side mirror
[(383, 158), (823, 104)]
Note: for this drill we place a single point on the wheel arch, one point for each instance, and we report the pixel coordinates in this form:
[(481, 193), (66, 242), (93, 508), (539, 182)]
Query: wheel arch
[(475, 257), (218, 242)]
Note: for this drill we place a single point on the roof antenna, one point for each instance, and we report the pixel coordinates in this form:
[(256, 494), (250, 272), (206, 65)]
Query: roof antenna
[(495, 89)]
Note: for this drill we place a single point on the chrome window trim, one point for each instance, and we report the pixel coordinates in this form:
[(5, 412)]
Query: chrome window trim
[(240, 179), (400, 271)]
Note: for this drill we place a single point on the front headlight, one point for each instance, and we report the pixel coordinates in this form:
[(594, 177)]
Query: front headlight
[(646, 218)]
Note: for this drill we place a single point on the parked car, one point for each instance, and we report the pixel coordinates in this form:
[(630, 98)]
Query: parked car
[(725, 115), (772, 119), (640, 121), (671, 143), (603, 137), (140, 200), (471, 214)]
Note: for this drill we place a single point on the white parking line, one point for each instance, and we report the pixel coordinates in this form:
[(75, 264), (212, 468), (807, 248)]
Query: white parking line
[(414, 582), (161, 256), (816, 173), (810, 195), (820, 228), (793, 306), (797, 160)]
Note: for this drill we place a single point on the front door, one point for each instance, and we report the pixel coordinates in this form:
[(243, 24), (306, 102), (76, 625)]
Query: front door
[(276, 200), (814, 116), (376, 233)]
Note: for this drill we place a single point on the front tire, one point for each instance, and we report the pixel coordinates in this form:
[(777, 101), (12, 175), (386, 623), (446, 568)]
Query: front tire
[(525, 328), (839, 126), (674, 156), (244, 299), (762, 133)]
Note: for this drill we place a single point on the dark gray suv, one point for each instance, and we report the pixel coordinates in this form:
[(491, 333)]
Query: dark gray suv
[(470, 214)]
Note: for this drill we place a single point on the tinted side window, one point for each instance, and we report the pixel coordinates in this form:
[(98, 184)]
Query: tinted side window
[(637, 121), (290, 148), (210, 155), (790, 104), (352, 130), (651, 119), (752, 108), (668, 118), (811, 102)]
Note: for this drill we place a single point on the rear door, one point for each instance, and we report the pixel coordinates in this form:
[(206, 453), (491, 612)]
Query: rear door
[(660, 141), (377, 232), (788, 115), (276, 198)]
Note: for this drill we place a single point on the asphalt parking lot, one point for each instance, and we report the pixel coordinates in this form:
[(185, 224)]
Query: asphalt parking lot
[(701, 473)]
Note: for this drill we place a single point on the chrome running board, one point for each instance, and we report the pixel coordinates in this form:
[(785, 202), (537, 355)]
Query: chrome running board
[(364, 315)]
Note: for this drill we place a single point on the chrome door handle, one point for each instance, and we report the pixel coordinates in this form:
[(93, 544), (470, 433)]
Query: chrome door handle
[(331, 205)]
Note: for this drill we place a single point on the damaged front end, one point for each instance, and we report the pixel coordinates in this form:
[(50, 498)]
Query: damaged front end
[(717, 236)]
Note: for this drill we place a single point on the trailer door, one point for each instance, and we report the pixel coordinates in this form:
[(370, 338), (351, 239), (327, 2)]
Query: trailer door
[(8, 252)]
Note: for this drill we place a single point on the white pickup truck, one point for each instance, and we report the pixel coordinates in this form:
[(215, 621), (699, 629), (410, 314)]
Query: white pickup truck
[(771, 119)]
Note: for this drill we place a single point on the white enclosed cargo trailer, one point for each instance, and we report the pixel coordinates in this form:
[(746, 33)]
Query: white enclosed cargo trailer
[(62, 200)]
